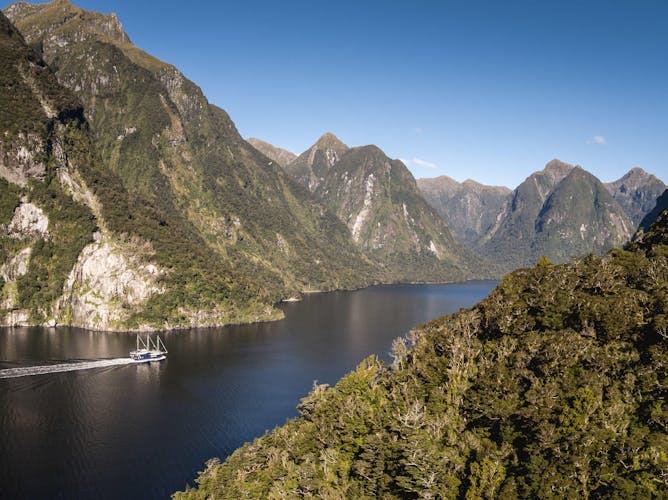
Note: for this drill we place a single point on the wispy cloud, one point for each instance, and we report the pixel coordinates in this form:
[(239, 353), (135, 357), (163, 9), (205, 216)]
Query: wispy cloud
[(597, 139), (417, 162)]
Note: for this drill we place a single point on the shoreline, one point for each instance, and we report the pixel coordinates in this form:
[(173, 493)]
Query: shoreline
[(292, 299)]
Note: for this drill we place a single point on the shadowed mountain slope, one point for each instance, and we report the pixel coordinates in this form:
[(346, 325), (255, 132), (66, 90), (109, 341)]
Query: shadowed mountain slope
[(469, 208), (560, 212)]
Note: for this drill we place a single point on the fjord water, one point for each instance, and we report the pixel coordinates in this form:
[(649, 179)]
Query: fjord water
[(118, 430)]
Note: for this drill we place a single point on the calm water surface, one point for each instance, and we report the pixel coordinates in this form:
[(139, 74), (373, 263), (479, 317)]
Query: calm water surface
[(143, 431)]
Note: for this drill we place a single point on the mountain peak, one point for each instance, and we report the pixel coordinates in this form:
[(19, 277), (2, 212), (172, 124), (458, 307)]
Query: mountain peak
[(279, 155), (371, 150), (637, 171), (328, 140), (637, 192), (634, 176), (557, 164), (310, 167), (71, 20)]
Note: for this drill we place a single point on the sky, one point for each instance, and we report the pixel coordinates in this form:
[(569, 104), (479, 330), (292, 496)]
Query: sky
[(486, 90)]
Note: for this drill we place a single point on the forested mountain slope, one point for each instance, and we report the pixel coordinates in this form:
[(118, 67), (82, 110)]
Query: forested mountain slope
[(378, 199), (76, 247), (156, 132), (553, 386)]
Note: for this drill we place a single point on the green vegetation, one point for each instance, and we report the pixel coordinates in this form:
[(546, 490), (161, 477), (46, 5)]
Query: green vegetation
[(10, 197), (231, 230), (71, 228), (554, 386)]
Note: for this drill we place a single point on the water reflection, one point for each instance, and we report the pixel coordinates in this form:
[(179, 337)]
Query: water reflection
[(142, 431)]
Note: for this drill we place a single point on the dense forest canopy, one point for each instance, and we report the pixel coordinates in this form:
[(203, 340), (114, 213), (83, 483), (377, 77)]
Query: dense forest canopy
[(553, 386)]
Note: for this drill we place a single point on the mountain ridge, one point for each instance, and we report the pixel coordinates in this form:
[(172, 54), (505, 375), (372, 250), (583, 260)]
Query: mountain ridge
[(279, 155), (530, 225), (636, 191), (155, 131)]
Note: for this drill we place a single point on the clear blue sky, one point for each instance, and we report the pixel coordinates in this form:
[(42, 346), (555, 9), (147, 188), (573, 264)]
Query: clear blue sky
[(489, 90)]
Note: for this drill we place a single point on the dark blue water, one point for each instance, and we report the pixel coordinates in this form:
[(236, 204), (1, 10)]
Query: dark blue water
[(143, 431)]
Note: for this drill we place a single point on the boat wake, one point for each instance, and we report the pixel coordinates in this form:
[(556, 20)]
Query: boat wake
[(26, 371)]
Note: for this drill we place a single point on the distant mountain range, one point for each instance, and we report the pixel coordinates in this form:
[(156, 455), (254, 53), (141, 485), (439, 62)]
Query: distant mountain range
[(131, 202), (469, 208), (637, 193), (560, 212)]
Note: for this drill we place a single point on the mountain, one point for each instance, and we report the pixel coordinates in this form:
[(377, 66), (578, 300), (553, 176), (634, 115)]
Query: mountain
[(560, 212), (469, 208), (279, 155), (378, 199), (312, 166), (660, 206), (553, 386), (636, 192), (225, 231)]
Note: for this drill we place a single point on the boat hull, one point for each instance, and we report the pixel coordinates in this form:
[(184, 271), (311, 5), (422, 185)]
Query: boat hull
[(148, 360)]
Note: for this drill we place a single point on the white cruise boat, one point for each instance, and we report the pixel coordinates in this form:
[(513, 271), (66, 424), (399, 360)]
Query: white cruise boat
[(149, 350)]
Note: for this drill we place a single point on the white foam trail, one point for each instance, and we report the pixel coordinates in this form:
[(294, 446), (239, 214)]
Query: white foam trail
[(26, 371)]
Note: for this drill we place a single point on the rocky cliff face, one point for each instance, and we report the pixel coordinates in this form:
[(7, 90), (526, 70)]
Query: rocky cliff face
[(379, 201), (653, 215), (636, 192), (232, 229), (109, 280), (561, 212), (469, 208), (281, 156), (49, 213)]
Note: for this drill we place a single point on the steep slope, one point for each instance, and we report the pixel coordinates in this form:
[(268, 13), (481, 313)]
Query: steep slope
[(279, 155), (561, 212), (159, 134), (554, 386), (636, 192), (521, 210), (75, 247), (469, 208), (312, 166), (660, 206), (380, 203), (583, 214)]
